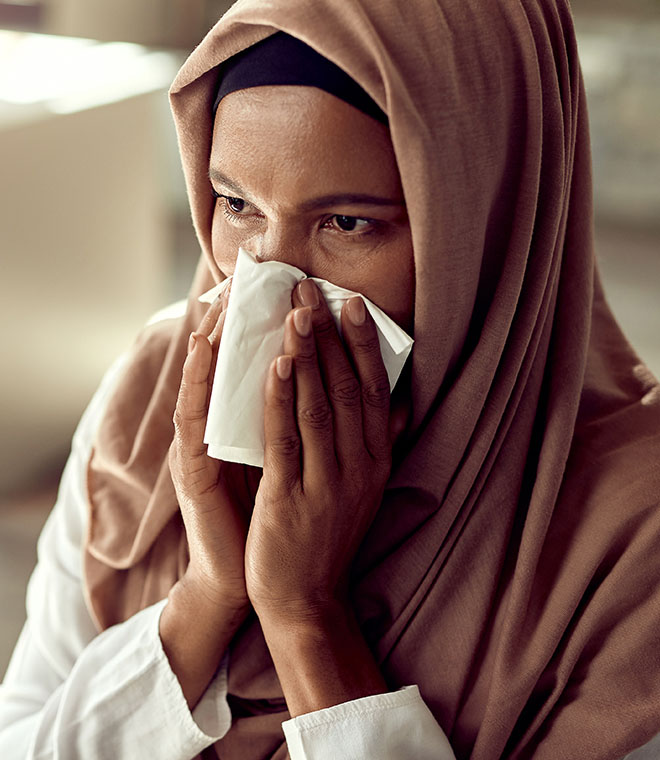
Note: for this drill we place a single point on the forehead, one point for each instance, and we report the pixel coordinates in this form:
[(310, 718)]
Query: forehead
[(304, 139)]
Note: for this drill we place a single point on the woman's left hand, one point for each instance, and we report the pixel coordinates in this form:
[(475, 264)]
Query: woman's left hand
[(327, 459)]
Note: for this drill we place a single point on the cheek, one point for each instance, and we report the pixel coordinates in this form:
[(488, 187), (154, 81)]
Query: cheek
[(224, 242), (396, 286), (391, 286), (399, 295)]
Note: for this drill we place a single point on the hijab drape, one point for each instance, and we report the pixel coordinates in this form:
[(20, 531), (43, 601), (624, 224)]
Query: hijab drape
[(513, 569)]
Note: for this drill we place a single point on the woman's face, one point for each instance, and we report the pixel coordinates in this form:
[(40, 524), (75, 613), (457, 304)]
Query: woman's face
[(309, 180)]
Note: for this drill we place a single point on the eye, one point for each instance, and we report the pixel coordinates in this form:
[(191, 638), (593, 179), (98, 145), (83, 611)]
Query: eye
[(235, 205), (237, 210), (350, 223)]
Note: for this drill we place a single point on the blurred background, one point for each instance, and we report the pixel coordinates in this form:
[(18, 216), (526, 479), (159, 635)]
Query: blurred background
[(95, 231)]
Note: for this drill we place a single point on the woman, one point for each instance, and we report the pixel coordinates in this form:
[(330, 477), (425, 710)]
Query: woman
[(500, 561)]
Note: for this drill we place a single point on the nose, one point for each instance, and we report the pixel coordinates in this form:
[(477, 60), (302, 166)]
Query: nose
[(279, 243)]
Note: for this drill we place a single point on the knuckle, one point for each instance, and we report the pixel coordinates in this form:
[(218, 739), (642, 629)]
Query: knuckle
[(182, 452), (381, 453), (182, 424), (345, 391), (316, 416), (201, 484), (367, 346), (285, 445), (305, 358), (376, 393), (185, 415), (325, 327), (353, 468), (178, 419), (279, 403)]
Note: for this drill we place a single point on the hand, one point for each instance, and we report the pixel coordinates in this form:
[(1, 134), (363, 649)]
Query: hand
[(327, 459), (215, 497)]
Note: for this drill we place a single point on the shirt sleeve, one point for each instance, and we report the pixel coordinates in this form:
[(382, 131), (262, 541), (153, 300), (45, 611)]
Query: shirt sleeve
[(70, 692), (388, 726)]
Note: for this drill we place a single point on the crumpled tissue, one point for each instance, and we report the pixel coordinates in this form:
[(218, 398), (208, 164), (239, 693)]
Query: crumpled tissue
[(253, 335)]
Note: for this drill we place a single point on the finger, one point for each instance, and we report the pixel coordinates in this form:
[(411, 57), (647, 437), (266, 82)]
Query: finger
[(313, 413), (361, 336), (211, 327), (210, 319), (341, 383), (214, 339), (191, 406), (216, 332), (282, 442)]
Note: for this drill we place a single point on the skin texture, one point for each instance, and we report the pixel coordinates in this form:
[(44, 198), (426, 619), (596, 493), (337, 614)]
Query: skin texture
[(303, 144), (282, 541)]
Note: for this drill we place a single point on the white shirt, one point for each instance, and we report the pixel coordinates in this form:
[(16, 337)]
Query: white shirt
[(72, 694)]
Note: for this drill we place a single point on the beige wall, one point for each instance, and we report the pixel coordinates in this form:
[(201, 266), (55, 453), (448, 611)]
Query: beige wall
[(172, 23), (621, 64), (85, 249)]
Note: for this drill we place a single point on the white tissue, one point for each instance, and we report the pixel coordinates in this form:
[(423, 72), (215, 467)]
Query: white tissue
[(253, 335)]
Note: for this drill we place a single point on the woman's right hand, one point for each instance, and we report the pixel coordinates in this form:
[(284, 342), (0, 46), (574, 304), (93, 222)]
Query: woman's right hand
[(215, 497)]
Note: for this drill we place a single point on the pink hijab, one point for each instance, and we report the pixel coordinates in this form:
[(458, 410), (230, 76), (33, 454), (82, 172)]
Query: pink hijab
[(513, 571)]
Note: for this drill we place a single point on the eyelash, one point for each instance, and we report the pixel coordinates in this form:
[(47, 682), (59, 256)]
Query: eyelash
[(232, 216)]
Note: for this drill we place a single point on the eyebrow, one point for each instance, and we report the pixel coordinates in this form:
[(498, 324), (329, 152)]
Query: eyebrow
[(338, 199)]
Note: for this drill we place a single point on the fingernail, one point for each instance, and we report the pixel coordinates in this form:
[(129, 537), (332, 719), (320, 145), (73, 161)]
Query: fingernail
[(192, 342), (309, 294), (283, 367), (302, 320), (356, 311)]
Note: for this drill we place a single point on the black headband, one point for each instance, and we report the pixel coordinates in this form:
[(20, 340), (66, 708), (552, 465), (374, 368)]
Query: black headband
[(282, 59)]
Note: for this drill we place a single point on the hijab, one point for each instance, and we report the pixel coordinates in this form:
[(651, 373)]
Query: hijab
[(513, 570)]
